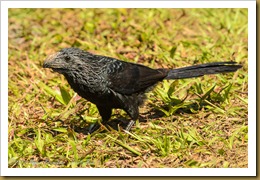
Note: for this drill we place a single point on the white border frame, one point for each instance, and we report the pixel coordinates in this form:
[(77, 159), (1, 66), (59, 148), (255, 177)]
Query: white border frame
[(250, 171)]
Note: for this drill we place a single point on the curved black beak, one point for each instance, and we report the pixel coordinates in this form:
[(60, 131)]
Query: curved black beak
[(50, 61)]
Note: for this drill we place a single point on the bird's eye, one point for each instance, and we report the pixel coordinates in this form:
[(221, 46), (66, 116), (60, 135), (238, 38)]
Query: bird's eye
[(67, 58)]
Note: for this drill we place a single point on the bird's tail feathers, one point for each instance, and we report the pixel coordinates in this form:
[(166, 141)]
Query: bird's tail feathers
[(203, 69)]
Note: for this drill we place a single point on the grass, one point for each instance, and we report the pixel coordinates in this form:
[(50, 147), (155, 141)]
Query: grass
[(199, 122)]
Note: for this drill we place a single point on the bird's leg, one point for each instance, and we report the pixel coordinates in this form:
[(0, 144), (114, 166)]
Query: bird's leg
[(129, 125), (133, 112), (105, 113)]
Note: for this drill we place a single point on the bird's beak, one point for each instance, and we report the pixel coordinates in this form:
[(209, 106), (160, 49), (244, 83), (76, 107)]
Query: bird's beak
[(49, 62)]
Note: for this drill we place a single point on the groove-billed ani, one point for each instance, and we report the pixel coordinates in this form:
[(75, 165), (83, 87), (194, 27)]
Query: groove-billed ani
[(110, 83)]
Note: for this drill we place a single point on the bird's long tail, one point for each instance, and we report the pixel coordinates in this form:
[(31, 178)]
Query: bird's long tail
[(203, 69)]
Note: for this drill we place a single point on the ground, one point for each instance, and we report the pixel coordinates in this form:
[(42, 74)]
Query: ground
[(198, 122)]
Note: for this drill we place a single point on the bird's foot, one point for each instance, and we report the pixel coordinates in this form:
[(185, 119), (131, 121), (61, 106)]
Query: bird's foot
[(93, 128), (129, 126)]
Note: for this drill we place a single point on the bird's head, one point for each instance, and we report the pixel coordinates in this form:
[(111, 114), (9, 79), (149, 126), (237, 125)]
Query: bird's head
[(66, 60)]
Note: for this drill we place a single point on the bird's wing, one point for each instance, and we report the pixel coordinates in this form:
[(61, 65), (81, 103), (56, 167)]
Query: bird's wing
[(128, 78)]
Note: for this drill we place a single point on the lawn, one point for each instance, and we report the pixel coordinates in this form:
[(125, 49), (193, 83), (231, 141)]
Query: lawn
[(198, 122)]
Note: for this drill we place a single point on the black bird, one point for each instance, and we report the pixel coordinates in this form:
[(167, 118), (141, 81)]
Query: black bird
[(111, 83)]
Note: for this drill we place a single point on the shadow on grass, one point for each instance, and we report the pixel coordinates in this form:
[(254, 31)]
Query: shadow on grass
[(122, 122), (118, 122)]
